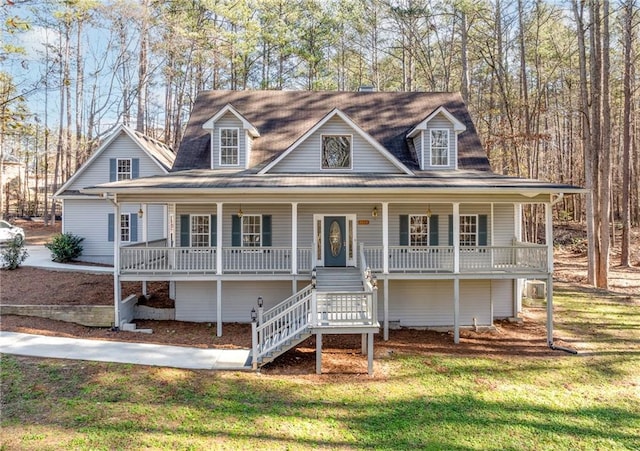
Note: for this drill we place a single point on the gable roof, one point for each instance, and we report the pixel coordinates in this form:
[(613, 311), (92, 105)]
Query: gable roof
[(457, 125), (350, 123), (228, 108), (159, 152), (283, 117)]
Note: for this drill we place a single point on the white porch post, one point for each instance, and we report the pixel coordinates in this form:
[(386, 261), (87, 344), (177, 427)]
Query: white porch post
[(319, 353), (145, 223), (549, 239), (456, 310), (386, 310), (219, 268), (219, 308), (218, 238), (370, 353), (518, 283), (294, 238), (456, 238), (456, 270), (385, 239), (117, 292)]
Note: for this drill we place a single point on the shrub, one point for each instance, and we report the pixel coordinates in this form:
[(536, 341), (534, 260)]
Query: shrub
[(65, 247), (14, 253)]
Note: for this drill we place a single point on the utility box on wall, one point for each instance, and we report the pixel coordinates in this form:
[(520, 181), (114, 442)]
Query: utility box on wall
[(536, 289)]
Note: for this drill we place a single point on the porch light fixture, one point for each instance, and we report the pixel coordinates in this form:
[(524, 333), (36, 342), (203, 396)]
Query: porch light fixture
[(374, 212), (140, 212), (260, 302), (428, 211), (240, 214), (254, 315)]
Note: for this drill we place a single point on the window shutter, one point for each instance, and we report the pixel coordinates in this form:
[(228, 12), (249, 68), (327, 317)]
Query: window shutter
[(450, 230), (135, 168), (482, 230), (185, 233), (133, 226), (266, 230), (213, 227), (113, 170), (110, 227), (236, 230), (404, 230), (433, 230)]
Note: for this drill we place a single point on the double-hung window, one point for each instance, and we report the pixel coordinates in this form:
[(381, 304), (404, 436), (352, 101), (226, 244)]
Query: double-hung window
[(125, 227), (418, 230), (124, 169), (251, 230), (469, 230), (229, 147), (200, 230), (439, 147)]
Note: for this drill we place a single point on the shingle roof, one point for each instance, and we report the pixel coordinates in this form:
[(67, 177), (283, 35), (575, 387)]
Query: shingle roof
[(210, 180), (281, 117), (156, 149)]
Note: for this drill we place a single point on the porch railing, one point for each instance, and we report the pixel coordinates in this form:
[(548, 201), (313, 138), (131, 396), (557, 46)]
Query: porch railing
[(155, 257)]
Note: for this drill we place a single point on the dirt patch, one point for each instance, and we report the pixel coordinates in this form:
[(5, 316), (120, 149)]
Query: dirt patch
[(36, 232)]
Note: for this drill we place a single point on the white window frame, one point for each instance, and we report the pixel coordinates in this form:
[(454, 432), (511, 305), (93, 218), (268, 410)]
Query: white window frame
[(446, 148), (465, 233), (236, 147), (124, 175), (125, 232), (329, 135), (424, 233), (206, 234), (257, 241)]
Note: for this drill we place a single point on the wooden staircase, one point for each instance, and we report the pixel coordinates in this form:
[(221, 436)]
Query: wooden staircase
[(339, 279)]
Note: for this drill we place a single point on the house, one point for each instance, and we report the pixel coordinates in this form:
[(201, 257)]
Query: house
[(124, 155), (336, 212)]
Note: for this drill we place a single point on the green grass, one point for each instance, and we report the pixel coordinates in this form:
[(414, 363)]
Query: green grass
[(589, 401)]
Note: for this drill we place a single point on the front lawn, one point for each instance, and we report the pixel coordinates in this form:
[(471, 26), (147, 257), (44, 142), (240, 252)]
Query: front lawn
[(589, 401)]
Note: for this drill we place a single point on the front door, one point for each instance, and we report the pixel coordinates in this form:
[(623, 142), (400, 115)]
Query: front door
[(335, 241)]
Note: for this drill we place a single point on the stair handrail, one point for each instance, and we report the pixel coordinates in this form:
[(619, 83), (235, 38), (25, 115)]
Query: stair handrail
[(266, 339), (368, 278)]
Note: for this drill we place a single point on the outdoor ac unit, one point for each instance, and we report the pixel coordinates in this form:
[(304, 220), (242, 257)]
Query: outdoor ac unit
[(536, 289)]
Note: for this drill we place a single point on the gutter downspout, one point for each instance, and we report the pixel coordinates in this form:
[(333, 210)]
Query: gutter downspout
[(549, 227)]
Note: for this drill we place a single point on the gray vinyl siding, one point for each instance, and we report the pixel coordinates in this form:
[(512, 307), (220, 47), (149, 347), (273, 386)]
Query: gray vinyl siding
[(307, 157), (89, 219), (440, 122), (121, 147), (280, 220), (429, 303), (417, 144), (369, 234), (196, 301), (156, 222), (229, 120), (442, 210), (503, 224), (502, 294), (421, 302)]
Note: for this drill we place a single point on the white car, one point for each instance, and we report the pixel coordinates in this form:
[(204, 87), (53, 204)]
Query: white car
[(8, 232)]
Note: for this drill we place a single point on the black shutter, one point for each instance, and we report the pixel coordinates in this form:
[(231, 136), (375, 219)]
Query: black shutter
[(213, 228), (133, 227), (113, 168), (135, 168), (450, 230), (433, 230), (236, 230), (184, 230), (404, 230), (482, 230), (266, 230), (111, 227)]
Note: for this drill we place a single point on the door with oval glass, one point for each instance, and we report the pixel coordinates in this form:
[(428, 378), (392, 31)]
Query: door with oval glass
[(335, 241)]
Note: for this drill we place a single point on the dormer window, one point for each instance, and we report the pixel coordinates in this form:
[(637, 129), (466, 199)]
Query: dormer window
[(439, 147), (336, 152), (123, 169), (229, 147)]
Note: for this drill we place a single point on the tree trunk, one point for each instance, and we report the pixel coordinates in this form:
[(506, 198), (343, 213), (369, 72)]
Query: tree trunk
[(625, 251)]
